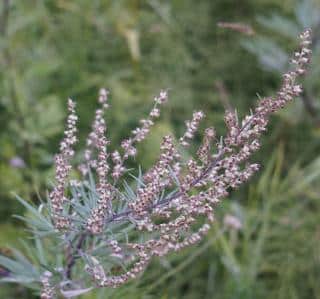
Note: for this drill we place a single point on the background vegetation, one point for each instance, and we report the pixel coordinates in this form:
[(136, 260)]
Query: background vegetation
[(50, 50)]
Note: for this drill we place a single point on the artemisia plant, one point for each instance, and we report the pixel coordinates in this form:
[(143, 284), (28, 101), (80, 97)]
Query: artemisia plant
[(115, 217)]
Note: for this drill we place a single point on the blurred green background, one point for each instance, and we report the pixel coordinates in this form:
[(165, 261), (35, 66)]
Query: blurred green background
[(50, 50)]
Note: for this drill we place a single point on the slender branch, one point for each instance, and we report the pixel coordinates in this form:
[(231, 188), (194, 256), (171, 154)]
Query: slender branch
[(72, 255)]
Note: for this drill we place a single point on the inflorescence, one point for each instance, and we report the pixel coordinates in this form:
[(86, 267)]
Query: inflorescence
[(175, 199)]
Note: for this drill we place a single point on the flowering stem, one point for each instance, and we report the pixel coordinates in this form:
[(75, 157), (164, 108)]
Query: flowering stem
[(201, 183)]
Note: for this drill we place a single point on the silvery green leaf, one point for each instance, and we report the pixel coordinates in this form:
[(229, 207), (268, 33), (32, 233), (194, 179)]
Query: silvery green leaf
[(130, 193), (139, 180), (75, 293)]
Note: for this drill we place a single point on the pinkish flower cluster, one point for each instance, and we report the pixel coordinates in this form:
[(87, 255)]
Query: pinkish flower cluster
[(205, 149), (192, 127), (48, 291), (175, 199), (138, 135), (98, 139), (63, 167), (156, 179), (93, 137)]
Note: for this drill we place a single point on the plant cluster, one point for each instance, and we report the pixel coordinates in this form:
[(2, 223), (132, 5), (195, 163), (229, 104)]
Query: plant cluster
[(114, 219)]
